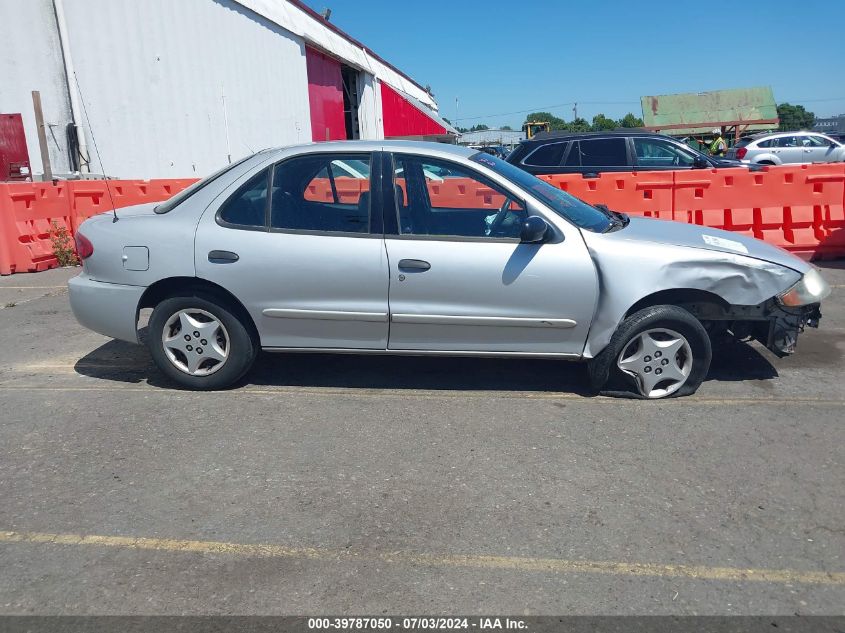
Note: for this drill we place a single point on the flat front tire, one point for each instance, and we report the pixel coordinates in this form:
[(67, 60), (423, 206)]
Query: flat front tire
[(199, 342), (658, 352)]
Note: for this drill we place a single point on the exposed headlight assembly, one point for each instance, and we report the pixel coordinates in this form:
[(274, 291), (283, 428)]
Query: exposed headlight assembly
[(811, 288)]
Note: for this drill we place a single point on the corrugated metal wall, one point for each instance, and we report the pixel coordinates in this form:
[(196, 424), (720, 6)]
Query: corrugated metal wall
[(153, 75), (30, 59)]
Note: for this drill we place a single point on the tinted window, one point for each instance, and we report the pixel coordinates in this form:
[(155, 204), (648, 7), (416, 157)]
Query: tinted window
[(787, 141), (603, 152), (247, 207), (565, 205), (660, 153), (459, 204), (322, 192), (573, 159), (766, 143), (547, 155)]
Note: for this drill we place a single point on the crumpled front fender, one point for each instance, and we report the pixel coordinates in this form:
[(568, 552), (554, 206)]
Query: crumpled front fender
[(631, 271)]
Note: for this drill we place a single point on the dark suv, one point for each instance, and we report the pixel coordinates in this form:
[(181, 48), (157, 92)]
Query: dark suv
[(590, 153)]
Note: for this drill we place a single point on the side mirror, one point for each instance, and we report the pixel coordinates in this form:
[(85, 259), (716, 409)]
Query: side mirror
[(700, 163), (534, 230)]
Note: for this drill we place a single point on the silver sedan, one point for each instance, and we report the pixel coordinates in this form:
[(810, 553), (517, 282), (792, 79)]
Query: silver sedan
[(292, 250)]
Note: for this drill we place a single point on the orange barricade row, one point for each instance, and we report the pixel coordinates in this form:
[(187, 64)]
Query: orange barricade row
[(646, 193), (798, 207), (29, 210)]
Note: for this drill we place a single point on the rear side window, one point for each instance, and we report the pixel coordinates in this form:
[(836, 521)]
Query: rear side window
[(546, 155), (248, 206), (603, 152), (766, 143), (322, 193)]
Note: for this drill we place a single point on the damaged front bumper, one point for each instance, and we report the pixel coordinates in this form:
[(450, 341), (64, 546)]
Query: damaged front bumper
[(777, 326), (780, 333)]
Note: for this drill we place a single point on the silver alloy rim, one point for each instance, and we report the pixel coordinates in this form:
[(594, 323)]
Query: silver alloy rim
[(195, 342), (659, 359)]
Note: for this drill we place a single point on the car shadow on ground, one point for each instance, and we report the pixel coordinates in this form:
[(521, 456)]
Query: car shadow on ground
[(738, 361), (123, 362)]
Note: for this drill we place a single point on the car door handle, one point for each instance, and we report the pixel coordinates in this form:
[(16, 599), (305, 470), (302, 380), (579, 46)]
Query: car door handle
[(413, 264), (222, 257)]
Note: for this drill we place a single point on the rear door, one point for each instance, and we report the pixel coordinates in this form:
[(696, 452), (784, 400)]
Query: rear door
[(461, 281), (298, 245)]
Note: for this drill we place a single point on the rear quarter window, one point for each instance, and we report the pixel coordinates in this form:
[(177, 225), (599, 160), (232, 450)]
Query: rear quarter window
[(546, 155)]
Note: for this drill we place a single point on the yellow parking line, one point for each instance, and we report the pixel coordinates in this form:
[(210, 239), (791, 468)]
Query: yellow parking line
[(431, 393), (512, 563)]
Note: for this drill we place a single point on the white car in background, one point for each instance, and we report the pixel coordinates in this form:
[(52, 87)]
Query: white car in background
[(784, 148)]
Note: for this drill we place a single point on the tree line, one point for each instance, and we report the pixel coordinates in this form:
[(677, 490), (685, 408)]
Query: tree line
[(792, 118)]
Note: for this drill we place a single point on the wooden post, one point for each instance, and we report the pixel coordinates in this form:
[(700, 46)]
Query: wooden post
[(42, 135)]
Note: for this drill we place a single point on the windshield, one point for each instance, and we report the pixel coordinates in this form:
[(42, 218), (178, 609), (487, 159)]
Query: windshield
[(565, 205), (179, 198)]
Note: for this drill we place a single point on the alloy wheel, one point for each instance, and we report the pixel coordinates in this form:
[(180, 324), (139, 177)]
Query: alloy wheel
[(195, 342), (659, 359)]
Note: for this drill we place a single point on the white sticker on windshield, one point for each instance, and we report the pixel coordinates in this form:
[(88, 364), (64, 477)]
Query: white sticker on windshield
[(721, 242)]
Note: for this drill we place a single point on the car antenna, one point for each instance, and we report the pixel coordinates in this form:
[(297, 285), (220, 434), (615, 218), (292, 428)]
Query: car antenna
[(96, 149)]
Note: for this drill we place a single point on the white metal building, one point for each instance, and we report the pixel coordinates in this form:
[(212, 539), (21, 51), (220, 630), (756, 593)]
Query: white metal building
[(178, 88)]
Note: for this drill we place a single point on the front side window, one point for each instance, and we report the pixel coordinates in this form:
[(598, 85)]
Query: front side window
[(815, 141), (322, 192), (603, 152), (659, 153), (455, 203)]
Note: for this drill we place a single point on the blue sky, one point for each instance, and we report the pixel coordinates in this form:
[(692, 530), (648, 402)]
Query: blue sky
[(499, 56)]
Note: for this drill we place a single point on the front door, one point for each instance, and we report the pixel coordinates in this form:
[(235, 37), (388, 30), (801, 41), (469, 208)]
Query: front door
[(460, 280), (294, 243)]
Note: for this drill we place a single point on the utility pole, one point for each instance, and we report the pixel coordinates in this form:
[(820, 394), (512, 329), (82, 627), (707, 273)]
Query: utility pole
[(574, 110)]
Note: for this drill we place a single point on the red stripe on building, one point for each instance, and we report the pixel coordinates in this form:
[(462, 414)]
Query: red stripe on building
[(402, 118)]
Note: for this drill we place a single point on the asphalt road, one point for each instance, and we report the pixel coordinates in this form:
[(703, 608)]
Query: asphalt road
[(370, 485)]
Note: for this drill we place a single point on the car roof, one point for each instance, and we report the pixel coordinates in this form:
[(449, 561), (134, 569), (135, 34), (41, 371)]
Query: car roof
[(388, 145), (757, 137), (563, 134)]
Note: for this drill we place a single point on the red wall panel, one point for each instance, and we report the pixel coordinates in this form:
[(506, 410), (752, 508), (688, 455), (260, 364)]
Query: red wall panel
[(325, 95), (402, 118), (14, 156)]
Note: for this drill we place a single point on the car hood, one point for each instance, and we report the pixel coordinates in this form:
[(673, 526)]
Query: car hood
[(644, 229)]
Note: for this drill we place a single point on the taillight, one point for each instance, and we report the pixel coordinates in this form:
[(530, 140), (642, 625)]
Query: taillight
[(84, 247), (741, 152)]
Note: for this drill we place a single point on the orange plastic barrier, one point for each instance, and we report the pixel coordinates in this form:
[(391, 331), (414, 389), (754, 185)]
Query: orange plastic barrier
[(28, 211), (644, 193), (796, 207)]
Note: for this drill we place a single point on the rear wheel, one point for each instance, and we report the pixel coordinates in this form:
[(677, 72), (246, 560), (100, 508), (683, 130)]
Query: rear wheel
[(199, 343), (658, 352)]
